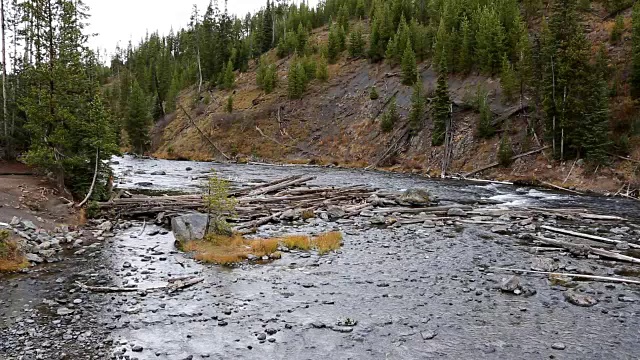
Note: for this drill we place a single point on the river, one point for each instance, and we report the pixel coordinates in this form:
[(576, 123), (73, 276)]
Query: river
[(416, 292)]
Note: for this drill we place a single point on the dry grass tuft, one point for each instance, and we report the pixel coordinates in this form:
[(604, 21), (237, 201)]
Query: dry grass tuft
[(11, 258), (297, 242), (328, 242), (264, 247), (230, 250)]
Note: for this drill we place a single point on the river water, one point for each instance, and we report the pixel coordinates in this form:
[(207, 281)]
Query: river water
[(416, 291)]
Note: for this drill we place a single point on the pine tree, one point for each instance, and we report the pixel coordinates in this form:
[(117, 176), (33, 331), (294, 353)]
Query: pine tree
[(357, 43), (373, 94), (333, 46), (485, 124), (465, 59), (635, 53), (297, 80), (409, 66), (322, 71), (138, 122), (508, 80), (172, 95), (229, 106), (390, 117), (416, 115), (267, 28), (441, 107), (618, 29), (228, 78), (490, 40), (505, 151)]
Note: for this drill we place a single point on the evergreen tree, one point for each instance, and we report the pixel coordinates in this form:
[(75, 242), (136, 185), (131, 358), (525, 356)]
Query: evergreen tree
[(485, 124), (322, 71), (266, 75), (409, 66), (357, 43), (373, 94), (267, 28), (508, 80), (229, 106), (635, 52), (465, 59), (618, 29), (505, 151), (138, 122), (229, 78), (490, 40), (333, 46), (390, 117), (416, 115), (441, 107), (297, 80), (172, 95)]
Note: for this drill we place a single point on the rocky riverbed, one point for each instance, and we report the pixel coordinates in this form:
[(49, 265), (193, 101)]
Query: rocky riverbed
[(412, 291)]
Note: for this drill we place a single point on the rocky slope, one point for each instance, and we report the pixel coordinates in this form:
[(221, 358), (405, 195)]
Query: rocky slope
[(336, 122)]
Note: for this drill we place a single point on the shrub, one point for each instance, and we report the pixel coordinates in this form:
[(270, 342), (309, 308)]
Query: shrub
[(505, 151), (229, 106), (219, 205), (373, 94), (390, 117)]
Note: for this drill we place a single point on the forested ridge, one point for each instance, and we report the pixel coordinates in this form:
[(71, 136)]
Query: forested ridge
[(64, 106)]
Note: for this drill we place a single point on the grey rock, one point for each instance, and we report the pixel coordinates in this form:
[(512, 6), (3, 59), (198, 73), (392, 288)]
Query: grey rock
[(579, 299), (15, 221), (428, 335), (137, 348), (106, 226), (622, 246), (34, 258), (159, 173), (511, 285), (189, 227), (416, 197), (377, 220), (456, 212), (558, 346), (63, 311), (335, 212), (262, 336), (28, 225), (500, 229), (144, 184)]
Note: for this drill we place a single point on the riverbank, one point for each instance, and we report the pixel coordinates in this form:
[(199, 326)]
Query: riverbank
[(572, 176)]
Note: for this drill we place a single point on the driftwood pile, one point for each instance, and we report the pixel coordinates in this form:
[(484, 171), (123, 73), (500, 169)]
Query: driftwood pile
[(285, 199)]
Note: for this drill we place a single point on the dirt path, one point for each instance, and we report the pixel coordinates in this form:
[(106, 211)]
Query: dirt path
[(31, 197)]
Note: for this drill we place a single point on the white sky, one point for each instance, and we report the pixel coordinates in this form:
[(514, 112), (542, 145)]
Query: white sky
[(118, 21)]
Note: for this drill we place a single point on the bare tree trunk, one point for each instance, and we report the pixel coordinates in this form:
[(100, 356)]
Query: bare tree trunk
[(448, 139), (553, 75)]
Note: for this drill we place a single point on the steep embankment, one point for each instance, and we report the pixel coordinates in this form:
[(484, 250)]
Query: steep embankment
[(337, 122)]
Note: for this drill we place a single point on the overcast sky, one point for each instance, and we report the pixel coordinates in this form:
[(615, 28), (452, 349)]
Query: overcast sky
[(118, 21)]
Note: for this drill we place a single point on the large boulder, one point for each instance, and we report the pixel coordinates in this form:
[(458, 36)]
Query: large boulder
[(336, 212), (420, 197), (189, 227)]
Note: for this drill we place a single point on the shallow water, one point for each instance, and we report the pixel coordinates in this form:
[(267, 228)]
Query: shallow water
[(416, 292)]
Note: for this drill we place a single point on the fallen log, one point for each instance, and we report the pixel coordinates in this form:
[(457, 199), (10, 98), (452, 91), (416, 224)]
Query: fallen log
[(203, 134), (601, 252), (280, 186), (496, 164), (586, 236), (550, 185), (575, 276)]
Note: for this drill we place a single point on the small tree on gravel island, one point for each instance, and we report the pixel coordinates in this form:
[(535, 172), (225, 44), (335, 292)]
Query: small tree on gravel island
[(219, 206)]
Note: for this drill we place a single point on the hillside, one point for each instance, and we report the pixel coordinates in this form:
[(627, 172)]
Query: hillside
[(337, 122)]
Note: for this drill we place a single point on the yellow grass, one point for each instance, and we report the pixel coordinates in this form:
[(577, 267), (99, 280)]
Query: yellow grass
[(297, 242), (229, 250), (328, 242), (11, 258)]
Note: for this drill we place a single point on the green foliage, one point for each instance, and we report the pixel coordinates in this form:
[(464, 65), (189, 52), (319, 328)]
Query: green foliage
[(416, 115), (229, 78), (505, 151), (357, 43), (229, 107), (297, 79), (373, 94), (138, 122), (219, 206), (390, 117), (266, 75), (310, 68), (532, 7), (618, 29), (409, 66), (508, 80), (335, 45), (490, 40), (441, 108), (322, 70), (485, 124)]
